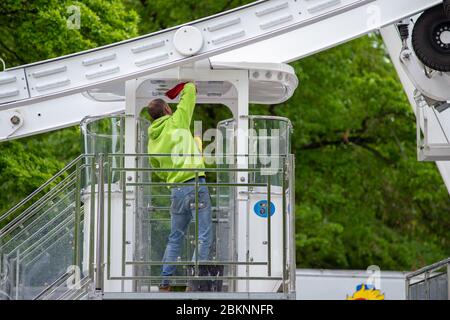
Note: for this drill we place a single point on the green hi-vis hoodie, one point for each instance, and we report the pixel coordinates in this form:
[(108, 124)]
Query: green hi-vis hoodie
[(171, 135)]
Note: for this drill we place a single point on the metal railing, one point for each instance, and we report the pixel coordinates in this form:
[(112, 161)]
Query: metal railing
[(130, 184), (40, 237), (38, 196), (73, 217), (429, 283)]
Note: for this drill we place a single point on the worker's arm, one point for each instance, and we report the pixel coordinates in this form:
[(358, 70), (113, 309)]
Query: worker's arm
[(183, 115)]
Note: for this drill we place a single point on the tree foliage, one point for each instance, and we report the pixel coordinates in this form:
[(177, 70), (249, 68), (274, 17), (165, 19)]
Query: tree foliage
[(36, 30), (362, 197)]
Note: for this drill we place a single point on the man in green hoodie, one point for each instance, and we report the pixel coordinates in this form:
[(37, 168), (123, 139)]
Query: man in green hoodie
[(170, 135)]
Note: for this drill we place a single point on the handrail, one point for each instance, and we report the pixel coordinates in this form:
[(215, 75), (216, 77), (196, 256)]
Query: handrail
[(429, 268), (39, 229), (196, 263), (62, 215), (63, 184), (69, 294), (12, 225), (192, 154), (42, 187), (428, 273), (30, 210), (57, 283), (54, 233), (37, 245)]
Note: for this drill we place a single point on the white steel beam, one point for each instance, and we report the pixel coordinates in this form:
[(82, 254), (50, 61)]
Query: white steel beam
[(220, 33), (327, 33), (51, 115)]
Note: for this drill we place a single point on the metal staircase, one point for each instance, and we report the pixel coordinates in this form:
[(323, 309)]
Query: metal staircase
[(40, 236)]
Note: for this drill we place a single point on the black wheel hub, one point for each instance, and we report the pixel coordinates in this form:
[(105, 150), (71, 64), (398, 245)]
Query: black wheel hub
[(441, 37)]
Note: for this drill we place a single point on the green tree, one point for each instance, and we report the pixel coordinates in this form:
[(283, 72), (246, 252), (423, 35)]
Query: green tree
[(362, 197), (358, 178), (37, 30)]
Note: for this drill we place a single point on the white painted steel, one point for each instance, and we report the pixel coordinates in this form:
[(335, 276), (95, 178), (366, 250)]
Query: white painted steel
[(51, 115), (328, 33), (111, 65), (213, 85), (258, 250), (394, 46), (221, 33), (323, 284), (114, 264), (188, 40)]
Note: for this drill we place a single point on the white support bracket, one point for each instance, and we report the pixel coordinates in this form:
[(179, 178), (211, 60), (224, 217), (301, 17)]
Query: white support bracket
[(433, 143), (52, 115), (434, 84)]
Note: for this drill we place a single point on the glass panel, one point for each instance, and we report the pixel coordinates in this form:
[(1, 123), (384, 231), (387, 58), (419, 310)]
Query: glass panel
[(269, 139), (40, 246), (107, 135), (40, 251)]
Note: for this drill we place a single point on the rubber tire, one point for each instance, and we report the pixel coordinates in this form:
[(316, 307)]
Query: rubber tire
[(447, 8), (422, 43)]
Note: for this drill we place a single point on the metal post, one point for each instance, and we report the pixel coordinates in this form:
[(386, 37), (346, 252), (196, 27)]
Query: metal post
[(17, 273), (407, 294), (99, 244), (77, 233), (2, 262), (234, 255), (91, 221), (283, 194), (240, 110), (108, 252), (196, 224), (269, 238), (448, 280), (124, 219), (292, 247)]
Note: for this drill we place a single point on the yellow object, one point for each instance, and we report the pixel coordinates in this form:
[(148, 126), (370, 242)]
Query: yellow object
[(366, 294)]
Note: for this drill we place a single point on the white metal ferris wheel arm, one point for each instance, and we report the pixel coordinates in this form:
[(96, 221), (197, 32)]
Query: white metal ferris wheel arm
[(327, 23), (333, 31), (45, 96)]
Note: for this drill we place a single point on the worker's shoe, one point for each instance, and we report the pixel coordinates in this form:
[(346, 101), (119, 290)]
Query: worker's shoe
[(164, 288)]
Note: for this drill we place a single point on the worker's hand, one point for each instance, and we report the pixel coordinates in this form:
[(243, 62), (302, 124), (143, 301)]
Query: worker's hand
[(194, 83)]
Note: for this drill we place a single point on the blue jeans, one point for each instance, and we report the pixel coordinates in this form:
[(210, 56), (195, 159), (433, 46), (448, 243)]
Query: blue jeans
[(182, 210)]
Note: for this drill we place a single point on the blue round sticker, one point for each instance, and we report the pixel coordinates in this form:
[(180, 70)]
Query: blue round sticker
[(260, 208)]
